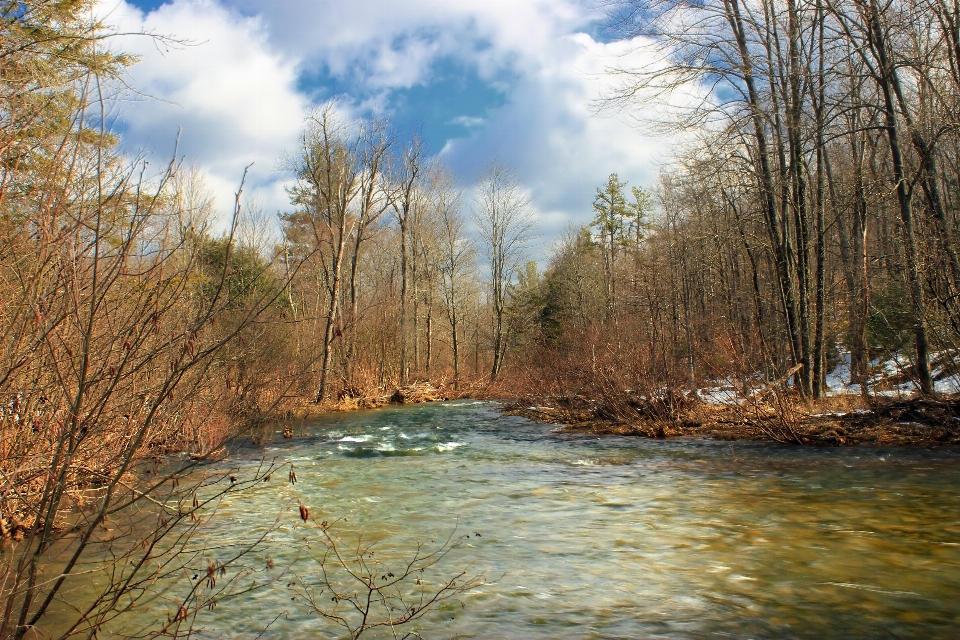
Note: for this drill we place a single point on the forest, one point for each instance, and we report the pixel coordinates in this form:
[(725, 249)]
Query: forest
[(808, 220)]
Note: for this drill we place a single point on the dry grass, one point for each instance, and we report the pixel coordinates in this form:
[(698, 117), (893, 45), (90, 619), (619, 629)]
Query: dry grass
[(303, 406)]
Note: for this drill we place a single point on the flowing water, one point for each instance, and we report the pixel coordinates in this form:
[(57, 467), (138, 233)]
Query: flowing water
[(618, 537)]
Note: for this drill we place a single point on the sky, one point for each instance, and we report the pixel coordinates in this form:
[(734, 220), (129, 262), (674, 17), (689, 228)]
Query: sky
[(512, 80)]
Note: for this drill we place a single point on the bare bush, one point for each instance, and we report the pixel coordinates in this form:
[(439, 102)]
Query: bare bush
[(359, 589)]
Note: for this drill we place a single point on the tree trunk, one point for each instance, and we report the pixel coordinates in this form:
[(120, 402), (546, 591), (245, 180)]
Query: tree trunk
[(404, 322), (904, 199), (456, 349), (818, 95), (767, 187), (429, 336), (330, 330), (799, 198)]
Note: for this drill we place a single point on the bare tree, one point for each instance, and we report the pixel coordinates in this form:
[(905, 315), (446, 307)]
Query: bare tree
[(456, 258), (329, 175), (115, 337), (376, 144), (408, 174), (503, 214)]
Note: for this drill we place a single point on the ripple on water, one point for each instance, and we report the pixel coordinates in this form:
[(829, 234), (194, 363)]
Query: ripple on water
[(363, 438), (622, 537)]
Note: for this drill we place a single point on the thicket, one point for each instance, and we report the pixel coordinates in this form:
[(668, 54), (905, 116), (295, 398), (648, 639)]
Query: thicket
[(812, 214)]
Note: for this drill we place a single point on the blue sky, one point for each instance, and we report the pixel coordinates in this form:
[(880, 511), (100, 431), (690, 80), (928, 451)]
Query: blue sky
[(452, 104), (148, 5), (514, 80)]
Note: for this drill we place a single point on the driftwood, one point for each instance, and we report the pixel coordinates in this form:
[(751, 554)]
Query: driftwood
[(416, 392)]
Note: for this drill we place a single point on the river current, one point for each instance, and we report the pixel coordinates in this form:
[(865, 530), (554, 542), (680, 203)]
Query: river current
[(614, 537)]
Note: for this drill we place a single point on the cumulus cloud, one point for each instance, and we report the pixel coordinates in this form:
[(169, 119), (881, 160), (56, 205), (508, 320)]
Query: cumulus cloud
[(548, 128), (223, 85), (235, 94), (551, 131), (388, 43)]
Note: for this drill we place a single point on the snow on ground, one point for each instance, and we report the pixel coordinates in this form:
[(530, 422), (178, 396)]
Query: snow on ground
[(718, 395), (948, 385), (838, 380), (893, 366), (729, 390), (723, 391), (898, 391)]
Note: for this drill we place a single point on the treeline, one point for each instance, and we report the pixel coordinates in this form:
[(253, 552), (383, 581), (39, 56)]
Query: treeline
[(395, 280), (814, 212)]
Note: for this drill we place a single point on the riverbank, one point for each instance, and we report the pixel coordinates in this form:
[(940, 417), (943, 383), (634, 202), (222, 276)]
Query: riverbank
[(840, 420), (834, 421)]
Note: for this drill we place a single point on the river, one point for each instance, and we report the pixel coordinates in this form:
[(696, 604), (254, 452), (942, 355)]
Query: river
[(615, 537)]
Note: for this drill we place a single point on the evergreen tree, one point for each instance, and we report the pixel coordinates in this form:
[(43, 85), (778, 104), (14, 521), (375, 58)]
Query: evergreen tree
[(611, 210)]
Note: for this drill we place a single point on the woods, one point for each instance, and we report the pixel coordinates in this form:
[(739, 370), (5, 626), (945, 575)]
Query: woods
[(807, 222), (389, 289), (811, 215)]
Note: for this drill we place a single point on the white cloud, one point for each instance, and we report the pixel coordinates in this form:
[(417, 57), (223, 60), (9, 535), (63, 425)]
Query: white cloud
[(547, 129), (468, 121), (231, 93), (386, 43), (237, 98), (550, 130)]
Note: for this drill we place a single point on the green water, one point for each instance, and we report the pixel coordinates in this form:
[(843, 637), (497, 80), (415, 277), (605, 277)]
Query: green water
[(618, 537)]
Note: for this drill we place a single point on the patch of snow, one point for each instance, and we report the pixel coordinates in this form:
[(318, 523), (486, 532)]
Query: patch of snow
[(939, 357), (948, 385), (726, 391), (718, 395), (840, 376), (838, 381), (893, 366)]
